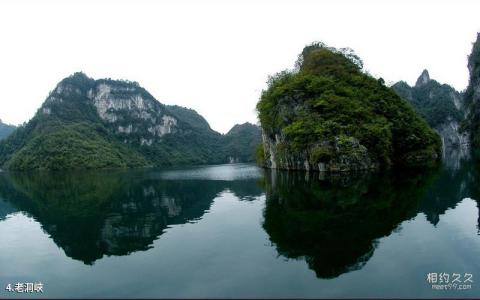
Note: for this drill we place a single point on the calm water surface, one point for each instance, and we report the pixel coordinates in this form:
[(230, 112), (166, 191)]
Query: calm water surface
[(238, 231)]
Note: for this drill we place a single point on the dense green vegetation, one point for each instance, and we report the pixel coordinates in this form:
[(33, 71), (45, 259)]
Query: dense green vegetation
[(432, 100), (241, 142), (191, 117), (71, 146), (5, 130), (328, 101), (68, 133)]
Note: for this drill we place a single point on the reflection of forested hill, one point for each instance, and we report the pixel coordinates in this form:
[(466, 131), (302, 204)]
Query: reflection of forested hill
[(334, 222), (91, 214)]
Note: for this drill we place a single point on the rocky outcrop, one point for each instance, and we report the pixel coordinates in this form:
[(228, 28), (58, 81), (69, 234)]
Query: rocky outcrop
[(455, 144), (350, 155), (122, 105), (114, 101), (327, 115), (423, 79), (452, 136)]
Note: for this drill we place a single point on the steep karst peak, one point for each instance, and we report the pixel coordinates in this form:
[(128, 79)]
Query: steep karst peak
[(423, 79)]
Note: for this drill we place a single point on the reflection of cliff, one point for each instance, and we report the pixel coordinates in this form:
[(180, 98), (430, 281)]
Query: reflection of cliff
[(474, 186), (92, 214), (334, 223), (450, 187)]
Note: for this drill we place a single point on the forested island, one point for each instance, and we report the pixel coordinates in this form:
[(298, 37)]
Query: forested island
[(328, 115)]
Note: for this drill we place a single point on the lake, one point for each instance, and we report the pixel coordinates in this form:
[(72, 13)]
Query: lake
[(238, 231)]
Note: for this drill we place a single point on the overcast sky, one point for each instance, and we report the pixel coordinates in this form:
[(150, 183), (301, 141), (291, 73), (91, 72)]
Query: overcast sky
[(215, 57)]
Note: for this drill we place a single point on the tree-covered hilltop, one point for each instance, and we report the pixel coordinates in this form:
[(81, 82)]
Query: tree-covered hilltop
[(89, 124), (329, 115), (5, 130), (57, 146), (472, 95), (241, 141)]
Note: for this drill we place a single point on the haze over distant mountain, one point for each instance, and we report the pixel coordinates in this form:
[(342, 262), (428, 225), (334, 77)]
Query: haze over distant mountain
[(241, 141), (444, 109), (87, 123), (5, 130)]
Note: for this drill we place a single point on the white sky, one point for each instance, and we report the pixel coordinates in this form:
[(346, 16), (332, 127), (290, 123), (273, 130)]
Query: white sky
[(215, 57)]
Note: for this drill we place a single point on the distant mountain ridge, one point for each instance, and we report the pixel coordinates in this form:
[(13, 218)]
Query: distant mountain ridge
[(442, 107), (5, 130), (250, 136), (436, 102), (87, 123)]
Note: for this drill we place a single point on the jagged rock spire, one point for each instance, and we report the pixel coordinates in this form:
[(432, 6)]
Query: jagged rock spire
[(423, 79)]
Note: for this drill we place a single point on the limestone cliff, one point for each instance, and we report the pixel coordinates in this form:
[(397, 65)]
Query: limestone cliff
[(350, 155), (129, 110), (472, 94)]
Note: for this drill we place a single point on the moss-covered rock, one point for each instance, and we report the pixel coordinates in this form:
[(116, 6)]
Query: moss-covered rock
[(328, 115)]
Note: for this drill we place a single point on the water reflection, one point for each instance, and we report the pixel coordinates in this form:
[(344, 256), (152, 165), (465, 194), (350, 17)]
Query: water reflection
[(334, 223), (93, 214), (450, 186)]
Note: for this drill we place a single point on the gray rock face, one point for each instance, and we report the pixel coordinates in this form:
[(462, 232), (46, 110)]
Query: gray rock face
[(357, 159), (423, 79), (455, 144), (451, 135), (124, 106), (114, 102), (458, 102)]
